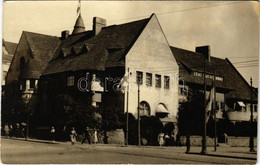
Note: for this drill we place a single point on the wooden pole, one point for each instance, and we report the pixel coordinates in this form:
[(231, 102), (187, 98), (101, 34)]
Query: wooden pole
[(251, 141), (214, 111), (204, 145), (138, 111)]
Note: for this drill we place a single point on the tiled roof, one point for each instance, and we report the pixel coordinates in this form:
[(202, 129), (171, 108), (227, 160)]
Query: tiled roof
[(106, 49), (42, 48), (189, 61), (9, 46)]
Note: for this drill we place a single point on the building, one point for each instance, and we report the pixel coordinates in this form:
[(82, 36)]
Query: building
[(233, 93), (8, 49), (103, 56), (31, 56)]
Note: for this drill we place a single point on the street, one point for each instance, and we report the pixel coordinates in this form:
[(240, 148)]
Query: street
[(16, 151)]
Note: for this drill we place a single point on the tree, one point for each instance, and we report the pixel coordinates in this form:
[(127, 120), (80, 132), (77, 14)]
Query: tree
[(191, 112), (113, 118)]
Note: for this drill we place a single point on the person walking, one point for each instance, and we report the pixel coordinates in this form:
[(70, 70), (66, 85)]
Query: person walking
[(95, 136), (6, 130), (53, 134), (160, 139), (73, 135), (87, 136)]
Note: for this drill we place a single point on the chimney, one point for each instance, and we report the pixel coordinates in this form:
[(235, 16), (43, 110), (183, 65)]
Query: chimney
[(98, 24), (65, 34), (204, 50)]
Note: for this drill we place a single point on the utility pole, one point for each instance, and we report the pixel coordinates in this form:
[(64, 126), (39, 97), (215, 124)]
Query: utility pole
[(204, 140), (214, 111), (251, 141), (138, 111), (127, 95), (188, 125)]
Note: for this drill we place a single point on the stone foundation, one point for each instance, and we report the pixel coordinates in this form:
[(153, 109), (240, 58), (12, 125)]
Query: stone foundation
[(240, 141), (116, 137)]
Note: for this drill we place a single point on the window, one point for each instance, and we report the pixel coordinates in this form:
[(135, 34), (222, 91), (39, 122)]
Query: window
[(209, 76), (32, 83), (166, 82), (219, 78), (197, 74), (149, 78), (144, 109), (158, 81), (139, 77), (70, 81), (255, 108), (23, 85)]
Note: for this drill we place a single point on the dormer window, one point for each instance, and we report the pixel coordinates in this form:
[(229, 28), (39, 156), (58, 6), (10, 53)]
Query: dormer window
[(86, 48), (65, 52), (75, 50)]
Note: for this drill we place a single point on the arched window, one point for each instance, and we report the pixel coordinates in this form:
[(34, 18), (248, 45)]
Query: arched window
[(145, 109)]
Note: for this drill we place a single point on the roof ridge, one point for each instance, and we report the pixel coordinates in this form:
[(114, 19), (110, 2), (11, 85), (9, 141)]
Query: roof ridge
[(125, 23), (35, 33), (196, 52), (185, 50)]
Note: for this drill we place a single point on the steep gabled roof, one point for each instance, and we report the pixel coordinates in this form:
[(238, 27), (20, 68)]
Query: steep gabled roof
[(189, 61), (42, 48), (9, 46), (107, 49)]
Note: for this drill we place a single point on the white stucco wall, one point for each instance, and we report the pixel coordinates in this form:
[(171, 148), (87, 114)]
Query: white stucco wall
[(151, 54)]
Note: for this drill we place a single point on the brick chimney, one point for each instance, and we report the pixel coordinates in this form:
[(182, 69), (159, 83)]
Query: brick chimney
[(98, 24), (204, 50), (65, 34)]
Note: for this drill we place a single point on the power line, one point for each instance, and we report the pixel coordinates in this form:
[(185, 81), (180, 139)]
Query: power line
[(247, 66), (246, 62), (175, 11), (244, 57)]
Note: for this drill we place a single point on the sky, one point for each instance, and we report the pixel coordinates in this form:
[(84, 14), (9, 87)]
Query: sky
[(231, 28)]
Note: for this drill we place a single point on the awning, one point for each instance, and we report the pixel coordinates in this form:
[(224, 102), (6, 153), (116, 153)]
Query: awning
[(161, 109), (241, 104)]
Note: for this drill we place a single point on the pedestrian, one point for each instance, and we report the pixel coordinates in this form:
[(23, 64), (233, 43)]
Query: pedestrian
[(73, 135), (7, 130), (178, 140), (53, 134), (95, 136), (87, 136), (11, 130), (160, 139)]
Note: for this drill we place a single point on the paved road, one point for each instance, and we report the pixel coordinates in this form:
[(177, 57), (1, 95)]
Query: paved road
[(19, 151)]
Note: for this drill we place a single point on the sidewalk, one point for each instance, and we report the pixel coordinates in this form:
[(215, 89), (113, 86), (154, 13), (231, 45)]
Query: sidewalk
[(223, 155)]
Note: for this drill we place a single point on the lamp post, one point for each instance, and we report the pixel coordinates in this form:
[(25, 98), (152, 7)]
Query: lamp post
[(138, 111), (251, 141)]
